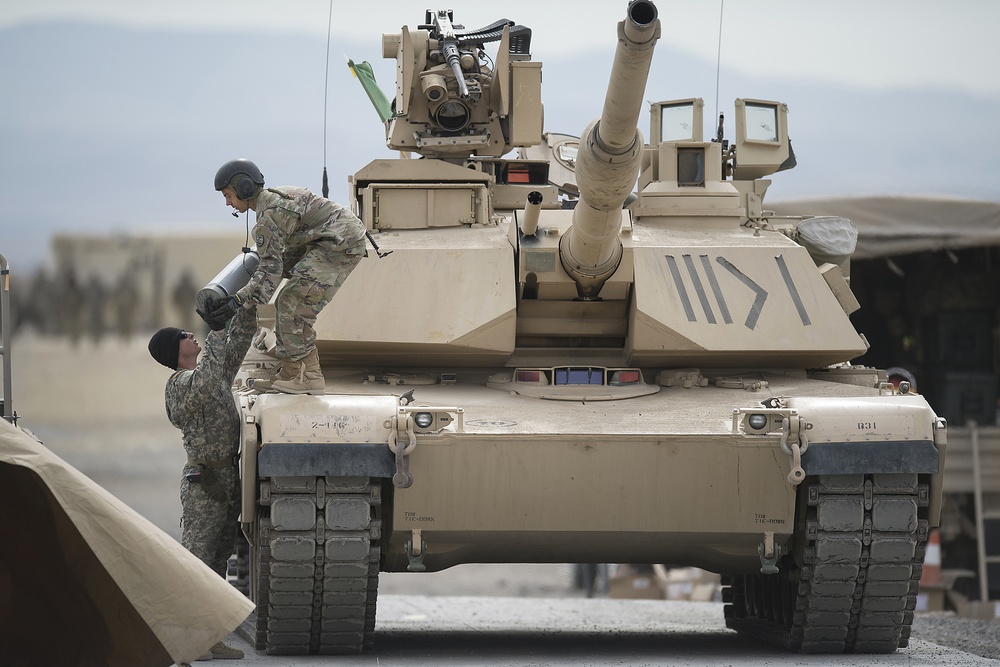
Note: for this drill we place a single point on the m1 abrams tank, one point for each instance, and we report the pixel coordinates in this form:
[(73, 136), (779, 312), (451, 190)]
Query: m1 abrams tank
[(653, 377)]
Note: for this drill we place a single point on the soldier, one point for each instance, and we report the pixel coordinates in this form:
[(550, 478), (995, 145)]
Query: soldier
[(310, 240), (200, 403), (126, 300), (71, 300), (184, 298)]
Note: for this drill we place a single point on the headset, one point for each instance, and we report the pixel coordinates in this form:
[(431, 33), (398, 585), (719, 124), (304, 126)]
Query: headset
[(249, 180), (245, 187)]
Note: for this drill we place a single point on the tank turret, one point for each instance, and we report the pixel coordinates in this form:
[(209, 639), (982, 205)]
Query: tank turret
[(609, 157)]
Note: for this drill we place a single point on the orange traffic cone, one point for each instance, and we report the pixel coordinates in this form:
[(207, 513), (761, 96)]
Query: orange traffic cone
[(931, 575)]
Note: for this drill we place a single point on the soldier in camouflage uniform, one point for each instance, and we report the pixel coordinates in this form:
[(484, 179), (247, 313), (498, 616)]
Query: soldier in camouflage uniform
[(312, 241), (200, 403)]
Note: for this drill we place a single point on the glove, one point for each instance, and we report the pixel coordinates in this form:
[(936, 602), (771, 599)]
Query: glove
[(211, 303), (222, 311)]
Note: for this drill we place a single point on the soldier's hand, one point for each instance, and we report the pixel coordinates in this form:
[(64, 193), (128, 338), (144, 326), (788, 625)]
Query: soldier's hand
[(223, 311), (215, 323), (211, 303)]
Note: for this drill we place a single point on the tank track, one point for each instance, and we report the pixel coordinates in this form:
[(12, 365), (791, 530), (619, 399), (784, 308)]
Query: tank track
[(851, 584), (238, 568), (315, 565)]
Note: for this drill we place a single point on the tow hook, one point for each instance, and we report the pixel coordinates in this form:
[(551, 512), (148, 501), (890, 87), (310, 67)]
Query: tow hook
[(794, 429), (773, 418), (769, 554), (416, 556), (402, 430)]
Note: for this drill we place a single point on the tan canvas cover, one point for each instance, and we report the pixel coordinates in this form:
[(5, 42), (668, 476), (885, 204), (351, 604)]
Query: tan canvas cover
[(890, 226), (85, 580)]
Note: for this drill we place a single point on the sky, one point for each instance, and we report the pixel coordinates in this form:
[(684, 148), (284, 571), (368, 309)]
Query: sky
[(867, 43), (116, 113)]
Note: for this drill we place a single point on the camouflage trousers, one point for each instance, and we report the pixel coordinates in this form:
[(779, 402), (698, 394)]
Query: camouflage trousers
[(316, 273), (209, 515)]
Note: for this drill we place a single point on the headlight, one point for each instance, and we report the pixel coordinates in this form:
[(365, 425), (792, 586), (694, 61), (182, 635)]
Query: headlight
[(423, 419), (757, 422)]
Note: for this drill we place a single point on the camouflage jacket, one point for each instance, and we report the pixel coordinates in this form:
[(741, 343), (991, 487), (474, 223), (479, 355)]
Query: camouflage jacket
[(200, 402), (288, 219)]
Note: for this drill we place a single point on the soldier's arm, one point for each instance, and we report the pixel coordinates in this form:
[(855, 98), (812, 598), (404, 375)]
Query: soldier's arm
[(270, 240), (192, 387), (241, 330)]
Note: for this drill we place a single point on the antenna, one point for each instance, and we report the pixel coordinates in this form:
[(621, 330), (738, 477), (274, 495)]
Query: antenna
[(718, 57), (326, 93)]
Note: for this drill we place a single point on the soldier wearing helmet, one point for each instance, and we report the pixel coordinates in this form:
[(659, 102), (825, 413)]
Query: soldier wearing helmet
[(313, 242)]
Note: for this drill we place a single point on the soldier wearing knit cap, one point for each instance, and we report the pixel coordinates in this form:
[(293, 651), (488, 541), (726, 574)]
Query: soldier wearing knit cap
[(165, 345), (200, 403)]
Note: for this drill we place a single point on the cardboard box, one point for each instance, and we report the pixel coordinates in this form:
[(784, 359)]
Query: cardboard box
[(937, 597), (931, 598), (635, 587), (692, 583), (657, 582), (966, 608)]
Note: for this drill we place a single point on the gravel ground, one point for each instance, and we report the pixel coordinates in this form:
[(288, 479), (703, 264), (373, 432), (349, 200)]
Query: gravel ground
[(978, 637), (945, 628)]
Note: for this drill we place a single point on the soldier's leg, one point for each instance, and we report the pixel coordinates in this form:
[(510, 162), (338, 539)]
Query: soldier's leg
[(229, 480), (313, 283), (202, 523)]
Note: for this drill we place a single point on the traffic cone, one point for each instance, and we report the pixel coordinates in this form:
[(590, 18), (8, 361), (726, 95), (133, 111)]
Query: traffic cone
[(931, 575)]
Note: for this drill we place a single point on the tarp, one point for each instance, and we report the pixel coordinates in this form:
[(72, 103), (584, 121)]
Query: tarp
[(891, 226), (85, 580)]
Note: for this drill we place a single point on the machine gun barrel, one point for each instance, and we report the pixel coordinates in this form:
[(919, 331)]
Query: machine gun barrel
[(449, 49), (610, 155)]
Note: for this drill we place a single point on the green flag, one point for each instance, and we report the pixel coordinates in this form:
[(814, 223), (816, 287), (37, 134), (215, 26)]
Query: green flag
[(363, 73)]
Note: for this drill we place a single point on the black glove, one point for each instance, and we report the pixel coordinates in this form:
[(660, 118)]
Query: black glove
[(222, 311), (211, 303)]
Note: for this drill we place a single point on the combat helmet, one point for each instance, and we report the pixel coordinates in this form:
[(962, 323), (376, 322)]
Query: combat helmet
[(243, 175)]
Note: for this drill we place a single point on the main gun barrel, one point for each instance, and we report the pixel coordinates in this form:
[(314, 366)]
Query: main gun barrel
[(610, 155)]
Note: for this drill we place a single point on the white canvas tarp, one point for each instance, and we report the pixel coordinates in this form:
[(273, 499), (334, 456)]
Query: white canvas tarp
[(85, 580)]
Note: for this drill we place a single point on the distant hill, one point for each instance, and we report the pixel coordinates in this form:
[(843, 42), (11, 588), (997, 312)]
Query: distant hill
[(106, 129)]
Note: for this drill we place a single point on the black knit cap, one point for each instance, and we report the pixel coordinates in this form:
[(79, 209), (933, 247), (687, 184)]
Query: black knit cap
[(165, 345)]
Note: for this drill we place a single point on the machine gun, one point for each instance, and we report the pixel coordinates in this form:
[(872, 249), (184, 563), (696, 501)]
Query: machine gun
[(452, 100)]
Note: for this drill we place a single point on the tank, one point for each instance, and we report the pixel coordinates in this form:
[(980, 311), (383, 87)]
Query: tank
[(605, 351)]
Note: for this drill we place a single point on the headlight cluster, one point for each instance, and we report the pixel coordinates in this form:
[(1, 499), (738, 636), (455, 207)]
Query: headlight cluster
[(431, 420)]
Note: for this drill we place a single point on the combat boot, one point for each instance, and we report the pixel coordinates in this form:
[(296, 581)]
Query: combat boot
[(301, 377), (222, 652), (262, 380)]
